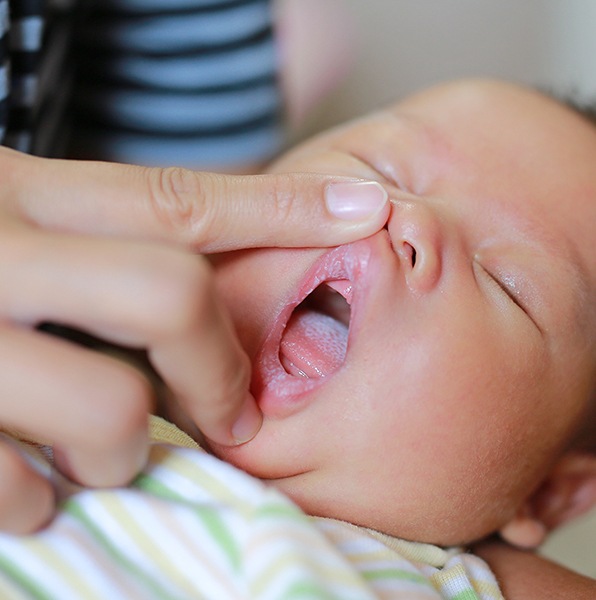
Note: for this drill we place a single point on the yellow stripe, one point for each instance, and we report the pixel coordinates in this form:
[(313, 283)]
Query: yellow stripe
[(103, 563), (334, 572), (210, 485), (136, 532), (201, 552), (73, 580)]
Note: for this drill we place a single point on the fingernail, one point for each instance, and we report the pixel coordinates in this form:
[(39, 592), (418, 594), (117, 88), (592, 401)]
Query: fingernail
[(249, 423), (354, 201)]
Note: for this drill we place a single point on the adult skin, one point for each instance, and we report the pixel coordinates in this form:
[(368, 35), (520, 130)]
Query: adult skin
[(525, 576), (116, 250)]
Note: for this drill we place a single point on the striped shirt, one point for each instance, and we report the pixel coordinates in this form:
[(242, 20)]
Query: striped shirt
[(168, 82), (192, 526), (34, 88)]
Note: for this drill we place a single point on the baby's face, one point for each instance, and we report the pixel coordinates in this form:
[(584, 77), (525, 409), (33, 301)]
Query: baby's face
[(470, 347)]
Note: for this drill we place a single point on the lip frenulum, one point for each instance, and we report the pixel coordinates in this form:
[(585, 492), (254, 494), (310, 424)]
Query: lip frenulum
[(272, 384)]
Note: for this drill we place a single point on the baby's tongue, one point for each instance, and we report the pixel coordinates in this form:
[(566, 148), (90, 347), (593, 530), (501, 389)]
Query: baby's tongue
[(313, 344)]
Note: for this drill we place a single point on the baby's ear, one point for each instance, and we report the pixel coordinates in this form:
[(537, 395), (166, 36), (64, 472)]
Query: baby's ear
[(567, 492)]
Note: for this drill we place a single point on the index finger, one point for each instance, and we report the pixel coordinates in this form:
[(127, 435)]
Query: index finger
[(208, 211)]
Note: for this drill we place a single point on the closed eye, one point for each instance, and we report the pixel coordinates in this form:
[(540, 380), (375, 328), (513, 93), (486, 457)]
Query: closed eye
[(510, 293)]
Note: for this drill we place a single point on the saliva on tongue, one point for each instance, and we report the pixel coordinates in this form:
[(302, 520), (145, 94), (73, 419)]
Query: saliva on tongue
[(313, 344)]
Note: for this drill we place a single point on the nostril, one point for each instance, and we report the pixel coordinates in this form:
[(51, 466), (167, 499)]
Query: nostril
[(409, 253), (418, 237)]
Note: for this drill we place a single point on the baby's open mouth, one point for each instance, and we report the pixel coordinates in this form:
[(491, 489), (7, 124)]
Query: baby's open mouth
[(315, 331), (315, 339)]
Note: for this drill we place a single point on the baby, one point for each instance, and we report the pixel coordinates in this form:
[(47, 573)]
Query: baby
[(435, 382)]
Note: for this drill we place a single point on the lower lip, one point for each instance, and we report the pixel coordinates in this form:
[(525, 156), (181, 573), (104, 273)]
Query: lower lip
[(274, 388)]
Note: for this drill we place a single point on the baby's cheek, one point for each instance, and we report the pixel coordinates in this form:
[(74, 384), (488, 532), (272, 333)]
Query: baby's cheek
[(266, 456)]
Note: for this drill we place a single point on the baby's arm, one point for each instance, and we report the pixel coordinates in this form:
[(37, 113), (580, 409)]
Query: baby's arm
[(526, 576)]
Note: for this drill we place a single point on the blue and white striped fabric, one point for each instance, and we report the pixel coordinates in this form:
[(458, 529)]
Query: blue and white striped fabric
[(159, 82), (178, 82), (4, 67), (22, 29)]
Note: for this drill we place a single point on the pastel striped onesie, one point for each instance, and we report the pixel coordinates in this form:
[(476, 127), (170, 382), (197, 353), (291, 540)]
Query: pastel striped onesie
[(192, 526)]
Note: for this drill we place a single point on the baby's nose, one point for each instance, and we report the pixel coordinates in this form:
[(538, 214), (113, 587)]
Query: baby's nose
[(417, 238)]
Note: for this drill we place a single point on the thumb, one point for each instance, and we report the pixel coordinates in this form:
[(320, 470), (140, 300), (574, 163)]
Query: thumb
[(208, 211)]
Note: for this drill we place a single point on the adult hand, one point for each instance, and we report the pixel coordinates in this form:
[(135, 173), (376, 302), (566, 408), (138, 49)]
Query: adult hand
[(523, 575), (113, 250)]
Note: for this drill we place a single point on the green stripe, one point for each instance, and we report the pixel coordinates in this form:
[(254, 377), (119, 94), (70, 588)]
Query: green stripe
[(212, 522), (75, 511), (281, 509), (396, 574), (307, 589), (22, 580), (218, 530), (188, 468), (466, 595), (157, 488)]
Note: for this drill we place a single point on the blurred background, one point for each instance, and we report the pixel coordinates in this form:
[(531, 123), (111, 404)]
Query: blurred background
[(405, 45)]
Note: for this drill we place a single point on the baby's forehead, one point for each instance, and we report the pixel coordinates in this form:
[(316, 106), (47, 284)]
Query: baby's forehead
[(511, 138), (498, 111)]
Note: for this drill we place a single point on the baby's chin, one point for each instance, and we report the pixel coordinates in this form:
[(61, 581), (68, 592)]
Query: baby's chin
[(420, 526), (318, 495)]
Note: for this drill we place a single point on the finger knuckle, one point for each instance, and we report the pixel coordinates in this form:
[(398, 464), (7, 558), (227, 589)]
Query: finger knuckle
[(283, 195), (180, 199)]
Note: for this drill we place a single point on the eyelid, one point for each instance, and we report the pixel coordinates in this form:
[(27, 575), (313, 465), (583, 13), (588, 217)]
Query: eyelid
[(513, 297), (378, 172)]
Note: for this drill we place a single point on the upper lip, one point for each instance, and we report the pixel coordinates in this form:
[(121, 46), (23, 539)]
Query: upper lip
[(343, 262)]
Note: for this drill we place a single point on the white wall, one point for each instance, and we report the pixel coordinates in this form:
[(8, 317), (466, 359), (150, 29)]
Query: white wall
[(403, 45)]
